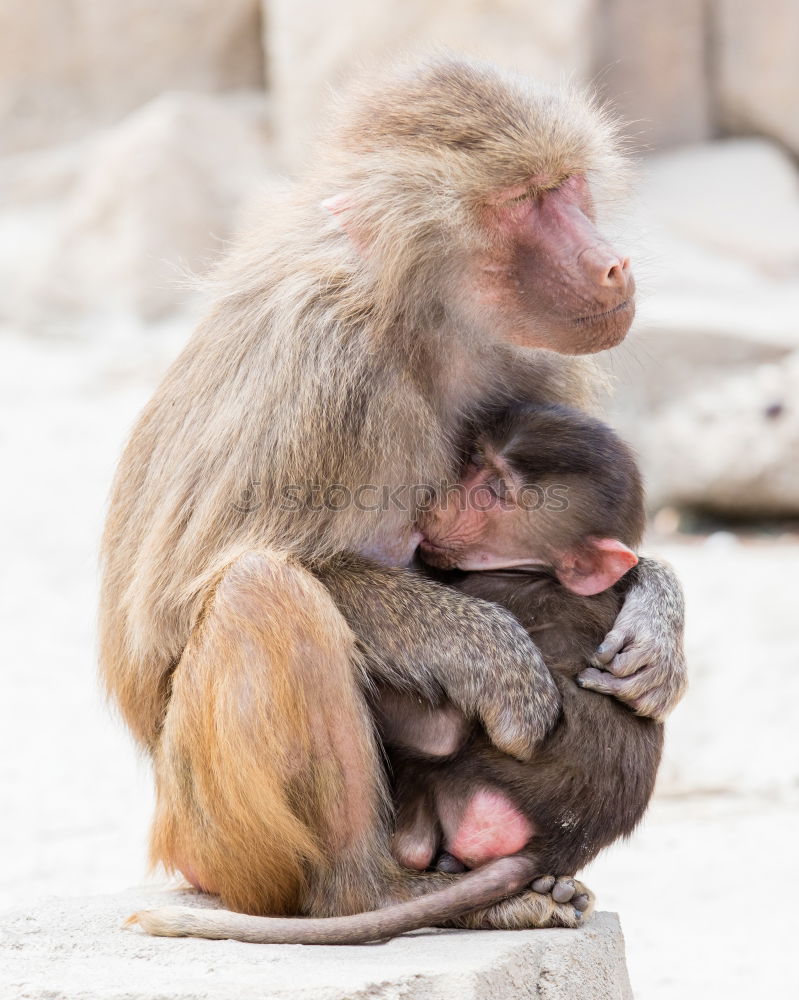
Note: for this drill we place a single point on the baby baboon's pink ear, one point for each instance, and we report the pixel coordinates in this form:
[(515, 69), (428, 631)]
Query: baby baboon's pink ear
[(596, 566)]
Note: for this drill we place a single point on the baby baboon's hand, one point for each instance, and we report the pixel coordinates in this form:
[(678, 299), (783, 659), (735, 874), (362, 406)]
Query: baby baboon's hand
[(641, 660)]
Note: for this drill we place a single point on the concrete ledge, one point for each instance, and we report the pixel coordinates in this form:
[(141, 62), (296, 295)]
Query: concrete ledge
[(75, 949)]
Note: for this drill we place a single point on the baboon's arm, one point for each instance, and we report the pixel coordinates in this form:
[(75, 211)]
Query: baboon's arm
[(419, 636)]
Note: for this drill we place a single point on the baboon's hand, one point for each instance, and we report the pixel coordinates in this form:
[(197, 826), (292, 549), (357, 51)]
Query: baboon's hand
[(519, 708), (641, 660)]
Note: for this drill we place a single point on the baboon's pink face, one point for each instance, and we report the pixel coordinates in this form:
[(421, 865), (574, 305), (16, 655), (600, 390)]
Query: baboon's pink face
[(548, 278)]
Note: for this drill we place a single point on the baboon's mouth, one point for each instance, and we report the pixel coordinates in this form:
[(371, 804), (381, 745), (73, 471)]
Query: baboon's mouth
[(440, 556), (594, 317), (427, 546), (528, 570)]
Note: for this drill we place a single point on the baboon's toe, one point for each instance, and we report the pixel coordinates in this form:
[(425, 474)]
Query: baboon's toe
[(563, 890), (448, 863), (543, 884)]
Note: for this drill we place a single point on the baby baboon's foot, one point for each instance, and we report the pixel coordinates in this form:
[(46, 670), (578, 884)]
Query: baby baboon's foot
[(551, 902), (448, 863), (564, 889), (567, 895)]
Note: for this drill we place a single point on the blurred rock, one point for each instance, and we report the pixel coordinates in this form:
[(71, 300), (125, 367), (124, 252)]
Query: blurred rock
[(757, 75), (663, 361), (312, 44), (732, 449), (32, 187), (735, 730), (153, 198), (738, 197), (704, 384), (67, 67), (41, 175), (718, 273), (650, 62)]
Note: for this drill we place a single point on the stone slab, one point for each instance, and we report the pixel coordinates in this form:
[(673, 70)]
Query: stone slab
[(76, 949)]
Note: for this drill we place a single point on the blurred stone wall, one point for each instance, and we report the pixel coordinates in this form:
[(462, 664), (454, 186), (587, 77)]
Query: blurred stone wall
[(681, 70), (755, 56), (69, 65), (312, 44)]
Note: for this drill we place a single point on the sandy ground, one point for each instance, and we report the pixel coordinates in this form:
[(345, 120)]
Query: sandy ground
[(706, 887)]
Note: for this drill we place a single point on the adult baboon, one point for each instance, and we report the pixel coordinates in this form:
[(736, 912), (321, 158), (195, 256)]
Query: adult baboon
[(439, 257)]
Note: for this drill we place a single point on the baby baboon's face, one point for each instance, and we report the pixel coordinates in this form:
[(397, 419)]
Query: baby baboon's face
[(490, 523)]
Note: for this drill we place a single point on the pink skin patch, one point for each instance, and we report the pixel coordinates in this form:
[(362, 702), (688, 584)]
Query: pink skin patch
[(415, 853), (491, 827)]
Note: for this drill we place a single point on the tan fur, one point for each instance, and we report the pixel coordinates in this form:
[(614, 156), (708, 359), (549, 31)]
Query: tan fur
[(328, 357), (257, 721)]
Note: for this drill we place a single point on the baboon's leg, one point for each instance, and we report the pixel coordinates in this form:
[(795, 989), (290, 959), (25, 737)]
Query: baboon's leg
[(269, 786)]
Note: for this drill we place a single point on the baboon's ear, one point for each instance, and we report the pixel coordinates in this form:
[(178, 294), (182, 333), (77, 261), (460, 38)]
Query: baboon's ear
[(336, 205), (596, 566), (340, 208)]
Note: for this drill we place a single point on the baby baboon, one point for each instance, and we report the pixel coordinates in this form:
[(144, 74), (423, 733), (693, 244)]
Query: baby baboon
[(550, 513)]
